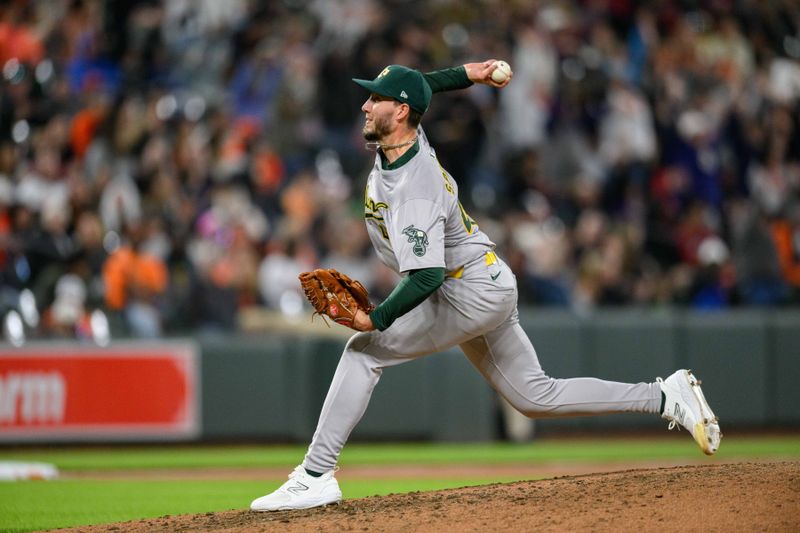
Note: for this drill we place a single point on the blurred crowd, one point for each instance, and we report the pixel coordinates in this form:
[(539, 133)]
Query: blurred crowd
[(174, 162)]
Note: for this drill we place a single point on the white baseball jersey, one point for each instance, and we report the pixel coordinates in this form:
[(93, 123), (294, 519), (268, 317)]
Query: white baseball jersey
[(414, 217)]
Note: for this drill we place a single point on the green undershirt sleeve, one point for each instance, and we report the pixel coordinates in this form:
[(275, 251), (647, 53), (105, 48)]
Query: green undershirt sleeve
[(409, 293), (449, 79)]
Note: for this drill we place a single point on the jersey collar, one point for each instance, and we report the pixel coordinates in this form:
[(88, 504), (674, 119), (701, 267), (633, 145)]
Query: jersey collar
[(402, 160)]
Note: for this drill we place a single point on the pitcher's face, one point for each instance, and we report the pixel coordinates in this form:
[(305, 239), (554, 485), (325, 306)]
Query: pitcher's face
[(378, 111)]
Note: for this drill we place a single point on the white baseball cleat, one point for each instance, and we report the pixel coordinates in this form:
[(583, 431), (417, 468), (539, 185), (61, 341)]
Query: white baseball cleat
[(686, 405), (302, 491)]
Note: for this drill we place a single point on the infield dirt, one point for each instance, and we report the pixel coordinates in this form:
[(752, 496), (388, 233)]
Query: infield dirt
[(725, 497)]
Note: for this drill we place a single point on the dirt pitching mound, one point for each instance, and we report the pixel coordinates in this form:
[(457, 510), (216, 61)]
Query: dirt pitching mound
[(727, 497)]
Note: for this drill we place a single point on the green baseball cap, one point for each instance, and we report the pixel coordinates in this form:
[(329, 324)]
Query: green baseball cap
[(404, 84)]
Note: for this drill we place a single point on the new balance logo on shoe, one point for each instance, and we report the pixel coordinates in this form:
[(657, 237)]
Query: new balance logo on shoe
[(679, 414), (297, 489)]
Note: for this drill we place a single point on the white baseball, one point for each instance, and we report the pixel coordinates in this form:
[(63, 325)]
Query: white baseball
[(501, 72)]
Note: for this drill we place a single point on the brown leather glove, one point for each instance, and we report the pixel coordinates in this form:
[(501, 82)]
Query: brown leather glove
[(335, 295)]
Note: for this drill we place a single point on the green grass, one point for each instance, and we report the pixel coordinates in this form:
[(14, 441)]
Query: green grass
[(25, 506), (547, 450)]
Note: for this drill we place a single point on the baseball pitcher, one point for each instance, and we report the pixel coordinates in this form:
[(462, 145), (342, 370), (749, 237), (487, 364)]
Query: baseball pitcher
[(455, 290)]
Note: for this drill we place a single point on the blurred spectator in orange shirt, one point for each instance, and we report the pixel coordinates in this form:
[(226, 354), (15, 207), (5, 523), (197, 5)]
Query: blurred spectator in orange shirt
[(134, 279), (18, 39), (786, 234)]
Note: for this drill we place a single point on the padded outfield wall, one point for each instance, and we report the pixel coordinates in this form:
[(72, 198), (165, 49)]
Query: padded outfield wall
[(272, 386)]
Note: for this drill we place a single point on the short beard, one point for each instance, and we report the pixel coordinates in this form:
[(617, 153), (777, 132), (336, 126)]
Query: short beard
[(380, 130)]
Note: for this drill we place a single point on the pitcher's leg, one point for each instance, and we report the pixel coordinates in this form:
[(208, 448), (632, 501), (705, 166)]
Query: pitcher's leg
[(508, 361), (347, 399), (359, 370)]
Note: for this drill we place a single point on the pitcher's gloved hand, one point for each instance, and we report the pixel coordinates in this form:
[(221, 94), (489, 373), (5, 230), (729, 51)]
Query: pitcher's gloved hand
[(335, 295)]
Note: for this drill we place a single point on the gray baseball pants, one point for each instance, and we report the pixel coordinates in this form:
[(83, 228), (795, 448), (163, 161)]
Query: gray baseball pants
[(478, 312)]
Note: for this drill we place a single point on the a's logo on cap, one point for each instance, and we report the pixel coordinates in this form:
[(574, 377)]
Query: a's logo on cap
[(403, 94), (384, 72)]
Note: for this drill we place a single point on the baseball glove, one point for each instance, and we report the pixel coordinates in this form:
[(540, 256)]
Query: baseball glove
[(335, 295)]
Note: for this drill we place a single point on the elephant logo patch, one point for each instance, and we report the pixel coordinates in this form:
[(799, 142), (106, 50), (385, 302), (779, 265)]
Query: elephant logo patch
[(419, 238)]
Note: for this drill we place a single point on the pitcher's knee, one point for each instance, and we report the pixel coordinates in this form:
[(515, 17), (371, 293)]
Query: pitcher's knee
[(537, 400), (529, 409)]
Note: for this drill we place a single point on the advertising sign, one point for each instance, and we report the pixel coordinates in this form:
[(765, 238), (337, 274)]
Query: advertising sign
[(131, 391)]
